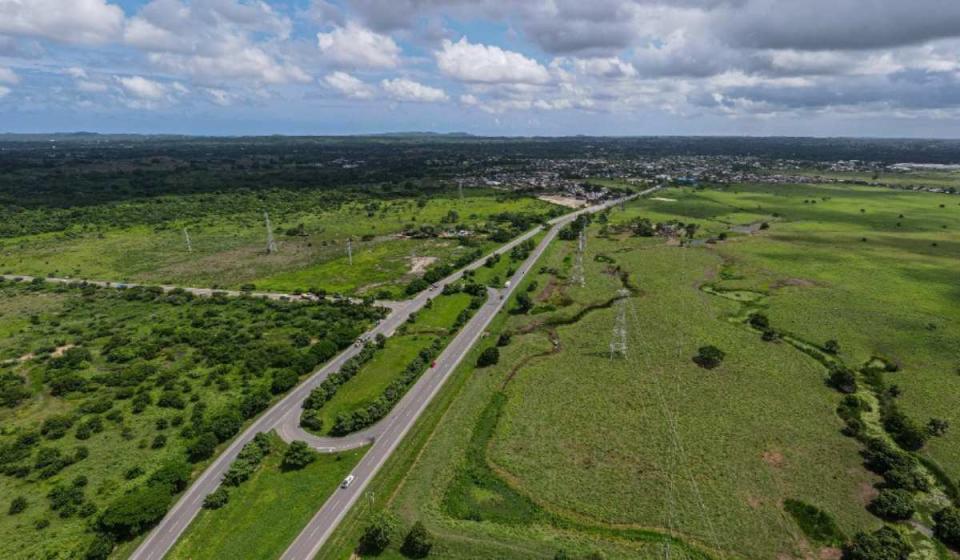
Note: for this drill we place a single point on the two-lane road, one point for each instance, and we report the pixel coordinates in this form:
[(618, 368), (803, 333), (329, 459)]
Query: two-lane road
[(162, 538)]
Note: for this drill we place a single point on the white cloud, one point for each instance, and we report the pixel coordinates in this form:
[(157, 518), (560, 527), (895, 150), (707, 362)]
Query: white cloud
[(67, 21), (219, 97), (246, 63), (348, 85), (357, 47), (8, 76), (403, 89), (475, 62), (611, 67), (142, 88), (4, 91)]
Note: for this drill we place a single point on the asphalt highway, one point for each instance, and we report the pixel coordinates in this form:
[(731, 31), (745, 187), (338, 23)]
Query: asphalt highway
[(384, 436)]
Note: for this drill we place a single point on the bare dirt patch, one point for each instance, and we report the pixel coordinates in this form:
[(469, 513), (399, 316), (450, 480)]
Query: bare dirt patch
[(662, 199), (567, 201), (867, 493), (794, 283), (418, 265), (830, 553), (773, 458)]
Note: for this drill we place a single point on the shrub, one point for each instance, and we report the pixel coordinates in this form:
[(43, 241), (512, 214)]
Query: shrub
[(893, 504), (172, 475), (17, 505), (100, 548), (815, 523), (225, 425), (297, 456), (55, 427), (759, 321), (253, 403), (882, 544), (842, 379), (709, 357), (937, 427), (377, 536), (831, 347), (947, 526), (134, 513), (503, 340), (283, 381), (202, 447), (490, 356), (417, 543), (216, 499)]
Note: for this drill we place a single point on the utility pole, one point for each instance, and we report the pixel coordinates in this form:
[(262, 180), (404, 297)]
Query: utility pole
[(350, 250), (271, 244), (618, 342), (186, 236)]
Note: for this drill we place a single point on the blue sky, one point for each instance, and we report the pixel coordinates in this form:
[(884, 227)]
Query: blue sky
[(537, 67)]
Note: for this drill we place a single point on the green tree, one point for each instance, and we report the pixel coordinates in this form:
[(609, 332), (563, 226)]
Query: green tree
[(831, 347), (202, 447), (17, 505), (882, 544), (490, 356), (133, 513), (947, 526), (377, 535), (216, 499), (297, 456), (709, 357), (417, 543), (893, 504)]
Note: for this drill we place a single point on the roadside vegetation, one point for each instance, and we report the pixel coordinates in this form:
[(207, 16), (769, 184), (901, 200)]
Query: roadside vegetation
[(114, 399)]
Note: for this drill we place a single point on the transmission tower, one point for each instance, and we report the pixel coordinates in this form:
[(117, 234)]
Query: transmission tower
[(271, 244), (350, 250), (186, 236), (578, 276), (618, 342), (460, 188)]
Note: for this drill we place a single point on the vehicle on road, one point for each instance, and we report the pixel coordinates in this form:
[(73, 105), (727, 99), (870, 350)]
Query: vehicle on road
[(347, 481)]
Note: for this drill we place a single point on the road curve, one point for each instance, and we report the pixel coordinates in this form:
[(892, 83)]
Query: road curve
[(389, 432), (165, 534)]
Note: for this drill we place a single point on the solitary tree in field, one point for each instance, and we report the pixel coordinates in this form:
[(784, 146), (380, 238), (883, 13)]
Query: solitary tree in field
[(709, 357), (488, 357), (418, 543), (298, 456)]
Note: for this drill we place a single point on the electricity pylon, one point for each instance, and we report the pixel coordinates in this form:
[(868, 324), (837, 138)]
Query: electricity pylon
[(578, 276), (460, 188), (271, 244), (186, 236), (350, 250), (618, 342)]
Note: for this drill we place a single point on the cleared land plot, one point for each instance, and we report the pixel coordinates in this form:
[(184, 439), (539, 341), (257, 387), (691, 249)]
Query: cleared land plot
[(265, 513)]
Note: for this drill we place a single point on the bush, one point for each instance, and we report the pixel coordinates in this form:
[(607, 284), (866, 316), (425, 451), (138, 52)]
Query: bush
[(842, 379), (947, 526), (882, 544), (100, 548), (172, 476), (253, 403), (831, 347), (17, 505), (893, 504), (503, 340), (202, 447), (134, 513), (55, 427), (216, 499), (759, 321), (488, 357), (417, 543), (225, 425), (709, 357), (377, 536), (283, 381), (297, 456), (815, 523)]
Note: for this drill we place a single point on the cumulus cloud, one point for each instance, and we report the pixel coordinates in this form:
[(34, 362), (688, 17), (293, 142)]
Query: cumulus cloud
[(611, 67), (142, 88), (403, 89), (67, 21), (348, 85), (355, 46), (8, 76), (475, 62)]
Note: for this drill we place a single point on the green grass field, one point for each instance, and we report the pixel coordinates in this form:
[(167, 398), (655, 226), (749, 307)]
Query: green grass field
[(265, 513), (584, 453), (229, 250)]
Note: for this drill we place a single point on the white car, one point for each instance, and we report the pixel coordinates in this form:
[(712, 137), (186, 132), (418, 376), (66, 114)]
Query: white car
[(347, 481)]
